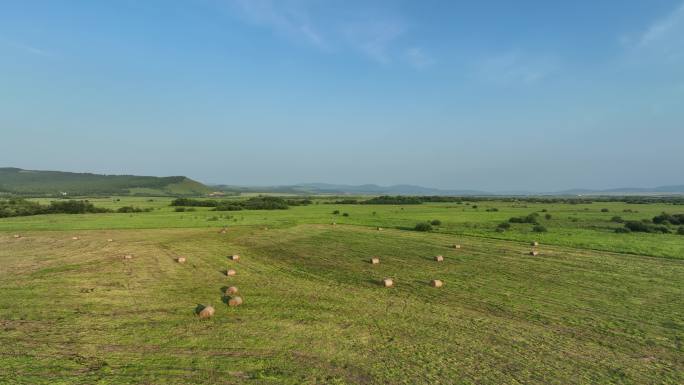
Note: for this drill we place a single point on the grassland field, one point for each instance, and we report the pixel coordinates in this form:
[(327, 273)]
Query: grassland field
[(594, 307)]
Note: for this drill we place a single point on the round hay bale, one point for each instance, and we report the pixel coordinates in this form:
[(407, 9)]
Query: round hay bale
[(230, 272), (222, 231), (74, 238), (235, 301), (436, 283), (17, 236), (439, 258), (387, 282), (379, 228), (375, 261), (456, 246), (110, 240), (207, 312), (534, 243), (534, 253), (231, 290), (127, 256), (180, 259), (234, 257), (334, 224)]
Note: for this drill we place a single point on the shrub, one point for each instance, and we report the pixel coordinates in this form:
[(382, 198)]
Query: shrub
[(436, 222), (664, 218), (543, 210), (345, 214), (336, 212), (474, 206), (644, 227), (180, 209), (423, 226), (492, 209), (504, 225), (539, 229), (680, 230), (617, 219), (131, 209), (623, 230), (547, 216), (531, 218), (604, 210), (393, 200)]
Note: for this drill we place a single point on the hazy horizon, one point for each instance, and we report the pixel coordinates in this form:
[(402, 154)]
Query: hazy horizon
[(532, 96)]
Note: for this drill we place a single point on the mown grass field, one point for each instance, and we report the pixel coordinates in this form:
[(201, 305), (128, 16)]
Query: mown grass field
[(595, 307)]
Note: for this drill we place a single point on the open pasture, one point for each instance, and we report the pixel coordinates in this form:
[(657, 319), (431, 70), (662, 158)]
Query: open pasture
[(591, 308)]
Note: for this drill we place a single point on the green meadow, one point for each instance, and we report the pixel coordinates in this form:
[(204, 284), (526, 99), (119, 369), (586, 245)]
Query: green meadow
[(593, 307)]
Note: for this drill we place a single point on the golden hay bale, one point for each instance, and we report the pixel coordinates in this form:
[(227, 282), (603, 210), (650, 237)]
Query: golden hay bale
[(180, 259), (232, 290), (375, 261), (534, 253), (74, 238), (439, 258), (387, 282), (436, 283), (110, 240), (230, 272), (207, 312), (235, 301), (379, 228), (334, 224), (127, 256), (222, 231), (17, 236), (234, 257), (535, 243), (456, 246)]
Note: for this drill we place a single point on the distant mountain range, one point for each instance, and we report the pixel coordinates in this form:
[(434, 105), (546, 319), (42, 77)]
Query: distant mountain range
[(55, 183), (406, 189)]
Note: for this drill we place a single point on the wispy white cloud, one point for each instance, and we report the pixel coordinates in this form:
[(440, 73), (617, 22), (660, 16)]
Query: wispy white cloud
[(417, 58), (374, 33), (374, 38), (285, 18), (664, 37), (26, 48), (517, 68)]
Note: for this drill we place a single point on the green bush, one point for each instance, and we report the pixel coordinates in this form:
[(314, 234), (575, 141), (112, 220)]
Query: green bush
[(345, 214), (680, 230), (547, 216), (336, 212), (435, 222), (531, 218), (539, 229), (623, 230), (604, 210), (617, 219), (423, 226)]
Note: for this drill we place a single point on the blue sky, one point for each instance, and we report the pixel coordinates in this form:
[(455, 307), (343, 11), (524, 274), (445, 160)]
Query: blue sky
[(492, 95)]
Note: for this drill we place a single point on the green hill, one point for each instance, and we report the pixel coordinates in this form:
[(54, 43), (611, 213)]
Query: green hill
[(53, 183)]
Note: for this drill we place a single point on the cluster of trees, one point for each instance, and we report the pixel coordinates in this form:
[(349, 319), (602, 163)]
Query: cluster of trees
[(531, 218), (659, 224), (131, 209), (256, 203), (393, 200), (15, 207)]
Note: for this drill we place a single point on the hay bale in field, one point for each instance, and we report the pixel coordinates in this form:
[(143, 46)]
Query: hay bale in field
[(387, 282), (334, 224), (379, 228), (235, 301), (436, 283), (230, 272), (265, 228), (231, 290), (17, 236), (439, 258), (534, 253), (180, 259), (223, 231), (207, 312), (110, 240), (535, 243), (456, 246), (127, 256), (74, 238), (375, 261), (234, 257)]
